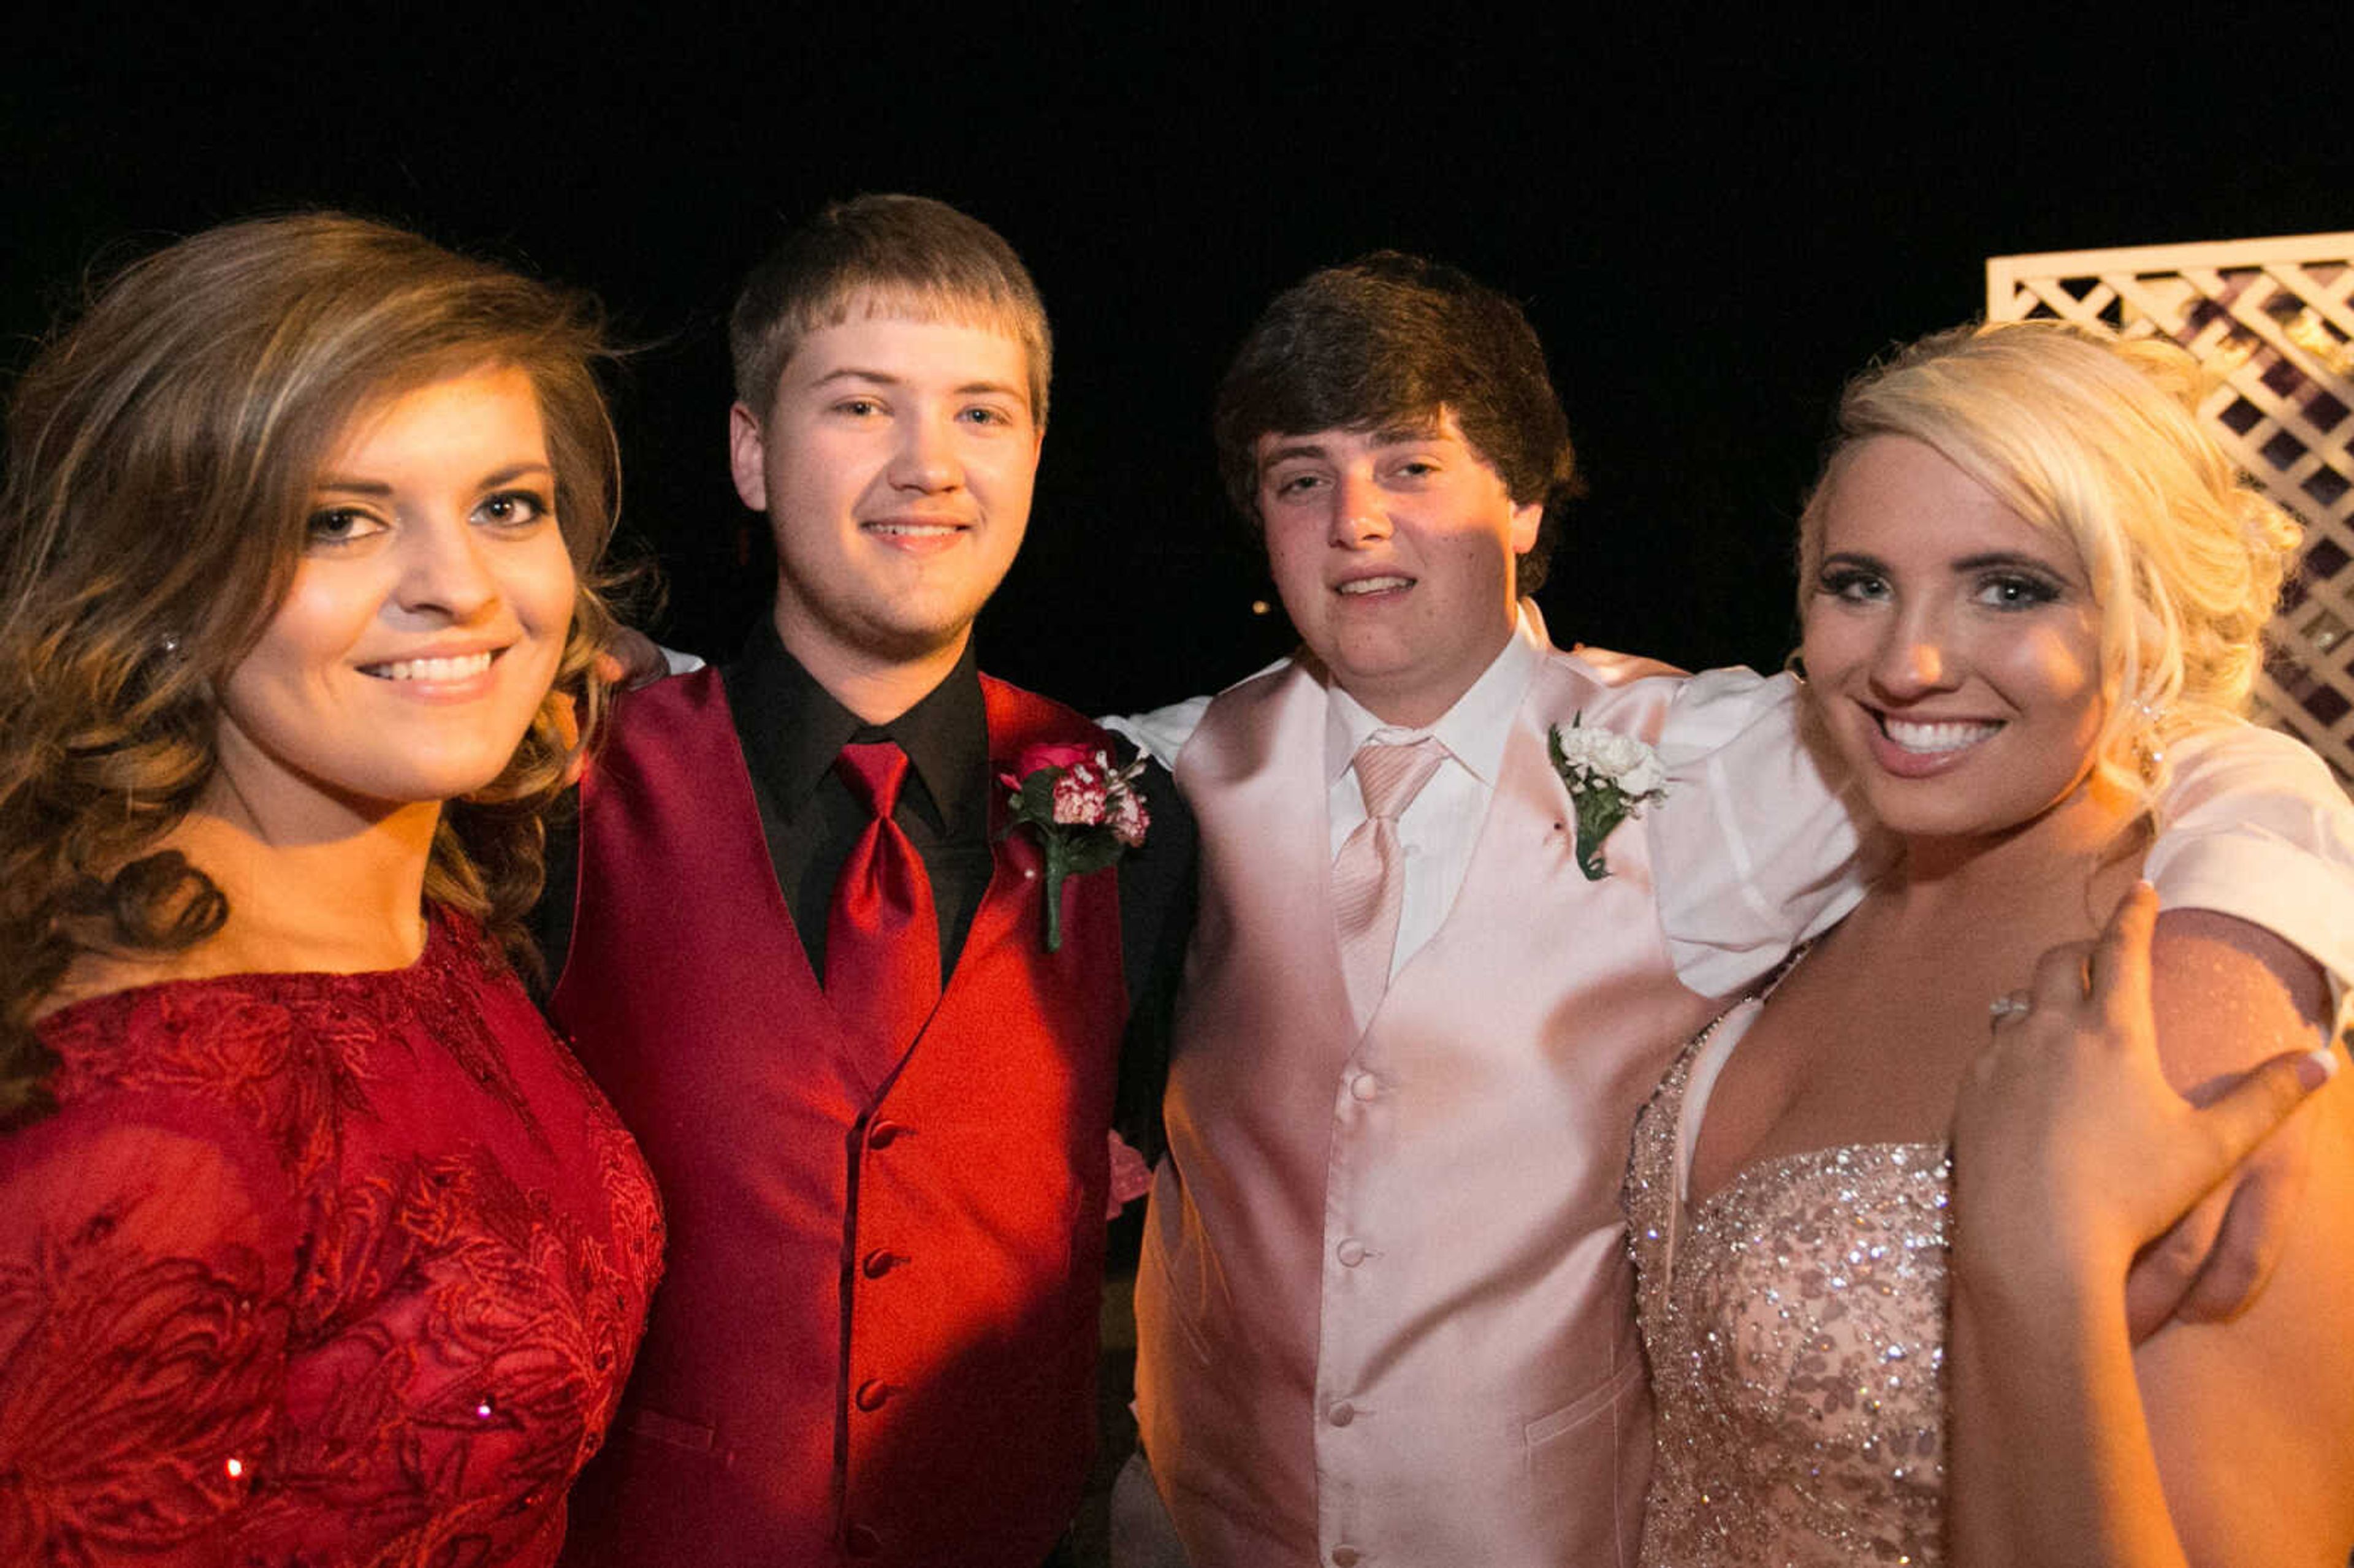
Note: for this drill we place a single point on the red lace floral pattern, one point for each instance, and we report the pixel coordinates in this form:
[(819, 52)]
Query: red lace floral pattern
[(315, 1269)]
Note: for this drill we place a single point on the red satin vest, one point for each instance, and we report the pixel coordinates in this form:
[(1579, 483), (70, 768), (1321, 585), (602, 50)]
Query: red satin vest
[(875, 1342)]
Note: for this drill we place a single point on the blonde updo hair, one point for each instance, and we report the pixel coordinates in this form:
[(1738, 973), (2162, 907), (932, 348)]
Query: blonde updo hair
[(162, 455), (2097, 439)]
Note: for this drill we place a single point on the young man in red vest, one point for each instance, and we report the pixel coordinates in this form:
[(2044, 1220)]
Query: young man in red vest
[(810, 962)]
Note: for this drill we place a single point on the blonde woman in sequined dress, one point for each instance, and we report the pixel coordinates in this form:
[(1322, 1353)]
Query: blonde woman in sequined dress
[(2027, 579)]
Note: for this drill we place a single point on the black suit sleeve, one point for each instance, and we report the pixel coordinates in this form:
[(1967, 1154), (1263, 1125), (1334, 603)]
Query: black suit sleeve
[(550, 922), (1156, 917)]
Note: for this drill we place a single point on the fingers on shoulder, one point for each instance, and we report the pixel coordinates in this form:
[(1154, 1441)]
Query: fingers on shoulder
[(2264, 1096)]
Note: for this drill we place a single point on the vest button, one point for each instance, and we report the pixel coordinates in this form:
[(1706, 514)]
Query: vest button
[(884, 1134), (861, 1541), (879, 1262), (1340, 1414), (1365, 1086), (1344, 1557), (1350, 1253), (872, 1394)]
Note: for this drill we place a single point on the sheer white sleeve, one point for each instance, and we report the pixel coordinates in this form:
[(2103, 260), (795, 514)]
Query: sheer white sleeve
[(1752, 850), (2255, 826)]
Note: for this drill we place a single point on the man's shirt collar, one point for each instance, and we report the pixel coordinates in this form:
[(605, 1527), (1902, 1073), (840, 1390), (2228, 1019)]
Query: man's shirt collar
[(1473, 731), (793, 728)]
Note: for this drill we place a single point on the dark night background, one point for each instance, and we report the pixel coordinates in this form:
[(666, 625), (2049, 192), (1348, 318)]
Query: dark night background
[(1710, 228)]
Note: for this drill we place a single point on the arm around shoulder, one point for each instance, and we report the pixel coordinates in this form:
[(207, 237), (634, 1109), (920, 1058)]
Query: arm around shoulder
[(2211, 1443), (1752, 850), (2252, 824), (2249, 1417)]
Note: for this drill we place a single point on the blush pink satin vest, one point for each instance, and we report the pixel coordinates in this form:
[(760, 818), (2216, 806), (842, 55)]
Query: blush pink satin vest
[(1385, 1313), (877, 1338)]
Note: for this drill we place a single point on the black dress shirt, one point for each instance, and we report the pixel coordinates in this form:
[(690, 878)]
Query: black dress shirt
[(792, 729)]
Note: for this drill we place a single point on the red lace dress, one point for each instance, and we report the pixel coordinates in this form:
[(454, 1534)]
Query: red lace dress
[(315, 1269)]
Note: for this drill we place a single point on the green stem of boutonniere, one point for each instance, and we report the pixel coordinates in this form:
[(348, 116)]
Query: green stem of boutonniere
[(1600, 809), (1058, 866), (1610, 776), (1102, 817)]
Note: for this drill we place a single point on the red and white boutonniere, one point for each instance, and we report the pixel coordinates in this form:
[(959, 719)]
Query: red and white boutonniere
[(1086, 813), (1611, 777)]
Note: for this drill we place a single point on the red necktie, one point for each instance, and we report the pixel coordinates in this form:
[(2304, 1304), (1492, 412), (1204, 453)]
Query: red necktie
[(882, 939)]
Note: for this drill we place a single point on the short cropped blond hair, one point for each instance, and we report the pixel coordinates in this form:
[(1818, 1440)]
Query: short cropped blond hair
[(886, 255)]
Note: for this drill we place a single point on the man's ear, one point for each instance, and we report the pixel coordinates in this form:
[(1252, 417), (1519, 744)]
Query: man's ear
[(748, 453), (1526, 521)]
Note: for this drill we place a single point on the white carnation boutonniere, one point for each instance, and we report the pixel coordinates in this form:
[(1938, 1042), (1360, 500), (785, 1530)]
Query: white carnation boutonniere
[(1085, 812), (1610, 776)]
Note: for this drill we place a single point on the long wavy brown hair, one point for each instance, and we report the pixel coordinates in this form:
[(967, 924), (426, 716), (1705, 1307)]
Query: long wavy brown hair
[(161, 457)]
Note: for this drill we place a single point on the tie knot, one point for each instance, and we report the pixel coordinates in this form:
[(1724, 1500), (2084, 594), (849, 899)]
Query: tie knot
[(1389, 776), (874, 770)]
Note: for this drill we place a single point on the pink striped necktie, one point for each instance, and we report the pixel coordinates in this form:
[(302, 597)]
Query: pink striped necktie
[(1369, 873)]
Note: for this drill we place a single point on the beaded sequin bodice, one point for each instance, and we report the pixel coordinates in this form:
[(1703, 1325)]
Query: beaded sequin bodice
[(1795, 1323)]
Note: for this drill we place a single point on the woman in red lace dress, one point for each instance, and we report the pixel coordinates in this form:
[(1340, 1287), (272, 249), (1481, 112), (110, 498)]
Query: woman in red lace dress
[(315, 1246)]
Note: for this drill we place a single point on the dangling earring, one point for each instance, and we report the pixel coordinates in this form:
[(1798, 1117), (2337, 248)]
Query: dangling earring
[(1795, 666), (160, 663), (2148, 747)]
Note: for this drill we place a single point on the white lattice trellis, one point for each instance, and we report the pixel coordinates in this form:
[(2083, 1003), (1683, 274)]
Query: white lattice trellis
[(2276, 317)]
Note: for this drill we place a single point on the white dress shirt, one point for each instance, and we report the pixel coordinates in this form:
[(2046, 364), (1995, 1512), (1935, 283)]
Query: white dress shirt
[(1437, 830)]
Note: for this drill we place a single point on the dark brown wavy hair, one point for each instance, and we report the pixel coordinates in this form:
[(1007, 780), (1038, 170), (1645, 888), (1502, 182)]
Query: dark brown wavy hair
[(161, 457), (1386, 344)]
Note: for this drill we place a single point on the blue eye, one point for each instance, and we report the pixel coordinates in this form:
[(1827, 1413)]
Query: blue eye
[(2016, 590), (1853, 586)]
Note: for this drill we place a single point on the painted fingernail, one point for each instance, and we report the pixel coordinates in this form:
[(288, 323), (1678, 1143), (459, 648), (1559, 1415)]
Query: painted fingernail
[(2316, 1068)]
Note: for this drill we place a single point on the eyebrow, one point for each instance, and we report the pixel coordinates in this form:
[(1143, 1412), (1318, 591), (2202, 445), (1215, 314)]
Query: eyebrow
[(1386, 436), (884, 378), (2007, 559), (1406, 431), (1978, 562), (490, 481), (1291, 450)]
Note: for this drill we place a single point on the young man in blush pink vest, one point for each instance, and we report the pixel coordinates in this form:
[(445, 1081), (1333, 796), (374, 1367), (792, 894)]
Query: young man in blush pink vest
[(1384, 1314), (883, 1161)]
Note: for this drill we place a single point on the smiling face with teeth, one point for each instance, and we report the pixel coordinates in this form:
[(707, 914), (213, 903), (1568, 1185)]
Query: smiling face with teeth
[(1393, 552), (1953, 648), (424, 623), (895, 465)]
